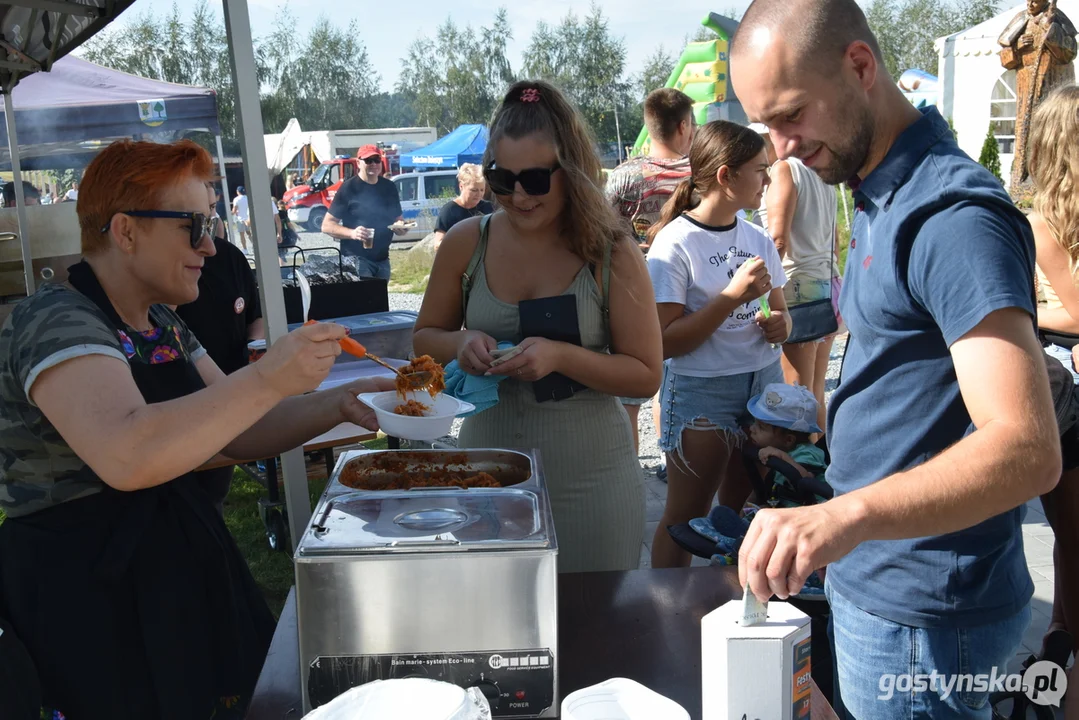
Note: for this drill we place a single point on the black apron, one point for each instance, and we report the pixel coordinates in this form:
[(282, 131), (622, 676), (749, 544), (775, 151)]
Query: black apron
[(136, 605)]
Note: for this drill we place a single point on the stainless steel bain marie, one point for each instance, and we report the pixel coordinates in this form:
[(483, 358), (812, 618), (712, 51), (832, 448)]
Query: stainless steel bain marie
[(453, 584)]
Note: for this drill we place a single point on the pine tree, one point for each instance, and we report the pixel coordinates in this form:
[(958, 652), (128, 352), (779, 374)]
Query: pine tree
[(990, 157)]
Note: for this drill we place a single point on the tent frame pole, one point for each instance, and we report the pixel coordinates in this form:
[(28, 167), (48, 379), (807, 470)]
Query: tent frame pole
[(250, 127), (20, 199), (225, 190)]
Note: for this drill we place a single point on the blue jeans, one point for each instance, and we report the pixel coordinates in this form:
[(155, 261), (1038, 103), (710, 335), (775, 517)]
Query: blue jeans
[(368, 268), (879, 665)]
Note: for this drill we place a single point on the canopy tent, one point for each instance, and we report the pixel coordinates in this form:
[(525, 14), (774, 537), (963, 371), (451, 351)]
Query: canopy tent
[(466, 144), (67, 115), (282, 148), (36, 34)]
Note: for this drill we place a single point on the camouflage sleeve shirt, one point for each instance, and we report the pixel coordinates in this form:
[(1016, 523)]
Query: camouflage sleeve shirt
[(54, 325)]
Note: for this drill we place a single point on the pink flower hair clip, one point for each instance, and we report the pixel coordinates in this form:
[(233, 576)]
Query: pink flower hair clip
[(530, 95)]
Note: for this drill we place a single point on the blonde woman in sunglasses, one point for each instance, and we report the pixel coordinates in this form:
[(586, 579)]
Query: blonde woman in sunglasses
[(555, 273)]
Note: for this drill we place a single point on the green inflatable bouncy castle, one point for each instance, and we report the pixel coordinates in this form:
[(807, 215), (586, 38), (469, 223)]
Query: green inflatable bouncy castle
[(701, 73)]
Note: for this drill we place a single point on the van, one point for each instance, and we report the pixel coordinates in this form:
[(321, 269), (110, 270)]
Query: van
[(422, 195)]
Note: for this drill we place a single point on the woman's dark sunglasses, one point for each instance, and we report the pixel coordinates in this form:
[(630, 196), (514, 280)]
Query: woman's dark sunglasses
[(201, 223), (534, 181)]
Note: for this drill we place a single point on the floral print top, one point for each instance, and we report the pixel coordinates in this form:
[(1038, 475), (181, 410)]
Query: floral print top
[(153, 347)]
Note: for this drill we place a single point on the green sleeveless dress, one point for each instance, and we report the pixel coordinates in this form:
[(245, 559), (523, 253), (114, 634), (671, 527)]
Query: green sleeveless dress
[(593, 475)]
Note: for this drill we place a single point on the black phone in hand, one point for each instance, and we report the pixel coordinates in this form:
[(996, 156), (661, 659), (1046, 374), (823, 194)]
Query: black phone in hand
[(552, 318)]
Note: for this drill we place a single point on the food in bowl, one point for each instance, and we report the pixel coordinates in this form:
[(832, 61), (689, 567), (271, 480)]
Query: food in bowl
[(412, 408), (424, 363), (435, 424)]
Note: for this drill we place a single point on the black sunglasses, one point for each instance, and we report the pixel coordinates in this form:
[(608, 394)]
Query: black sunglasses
[(374, 160), (534, 181), (201, 223)]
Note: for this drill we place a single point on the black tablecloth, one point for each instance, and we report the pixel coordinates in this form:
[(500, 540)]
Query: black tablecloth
[(643, 625)]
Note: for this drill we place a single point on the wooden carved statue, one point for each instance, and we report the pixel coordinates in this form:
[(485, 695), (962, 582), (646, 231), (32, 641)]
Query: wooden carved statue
[(1039, 44)]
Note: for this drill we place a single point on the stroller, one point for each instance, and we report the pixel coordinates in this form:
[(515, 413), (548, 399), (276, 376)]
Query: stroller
[(789, 490)]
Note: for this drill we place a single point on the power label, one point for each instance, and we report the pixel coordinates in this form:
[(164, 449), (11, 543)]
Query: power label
[(800, 680)]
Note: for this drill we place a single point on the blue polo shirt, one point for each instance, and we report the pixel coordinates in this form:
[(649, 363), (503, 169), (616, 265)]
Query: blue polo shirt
[(936, 246)]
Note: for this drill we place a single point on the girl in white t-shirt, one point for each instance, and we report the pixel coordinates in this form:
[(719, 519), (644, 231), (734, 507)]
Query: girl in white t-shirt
[(709, 268)]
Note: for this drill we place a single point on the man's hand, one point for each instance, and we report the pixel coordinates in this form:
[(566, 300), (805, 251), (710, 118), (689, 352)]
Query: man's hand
[(362, 233), (783, 547), (1026, 41)]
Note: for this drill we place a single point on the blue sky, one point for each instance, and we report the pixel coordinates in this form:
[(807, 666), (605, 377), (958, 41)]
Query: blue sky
[(394, 25)]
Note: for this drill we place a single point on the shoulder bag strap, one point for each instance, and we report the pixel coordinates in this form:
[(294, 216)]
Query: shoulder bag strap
[(473, 264)]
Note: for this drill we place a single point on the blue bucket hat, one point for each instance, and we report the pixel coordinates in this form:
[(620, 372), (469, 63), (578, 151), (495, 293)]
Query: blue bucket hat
[(787, 406)]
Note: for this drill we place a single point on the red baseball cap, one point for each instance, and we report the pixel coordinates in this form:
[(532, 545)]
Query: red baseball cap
[(368, 151)]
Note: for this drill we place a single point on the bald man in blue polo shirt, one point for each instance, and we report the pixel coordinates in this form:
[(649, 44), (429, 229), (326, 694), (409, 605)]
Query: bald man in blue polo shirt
[(943, 424)]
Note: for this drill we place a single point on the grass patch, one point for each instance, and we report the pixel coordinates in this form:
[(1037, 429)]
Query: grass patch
[(272, 569), (409, 271)]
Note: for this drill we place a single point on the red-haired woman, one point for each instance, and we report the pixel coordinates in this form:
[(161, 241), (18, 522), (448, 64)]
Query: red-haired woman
[(116, 572)]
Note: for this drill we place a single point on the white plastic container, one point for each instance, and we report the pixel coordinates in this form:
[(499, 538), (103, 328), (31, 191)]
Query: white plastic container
[(443, 410), (755, 671), (620, 699), (412, 698)]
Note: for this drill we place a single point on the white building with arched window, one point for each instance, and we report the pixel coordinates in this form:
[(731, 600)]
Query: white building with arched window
[(976, 92)]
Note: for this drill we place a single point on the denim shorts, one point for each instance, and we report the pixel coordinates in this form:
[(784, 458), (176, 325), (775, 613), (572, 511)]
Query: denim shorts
[(884, 669), (715, 403)]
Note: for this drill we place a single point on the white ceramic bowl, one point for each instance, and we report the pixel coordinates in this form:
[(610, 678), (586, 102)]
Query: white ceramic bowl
[(443, 409)]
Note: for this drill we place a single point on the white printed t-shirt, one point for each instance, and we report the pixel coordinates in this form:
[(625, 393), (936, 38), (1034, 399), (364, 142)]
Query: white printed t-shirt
[(691, 264)]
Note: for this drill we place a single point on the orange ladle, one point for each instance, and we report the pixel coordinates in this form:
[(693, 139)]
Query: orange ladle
[(416, 380)]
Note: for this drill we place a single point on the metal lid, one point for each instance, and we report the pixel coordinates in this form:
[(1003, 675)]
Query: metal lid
[(429, 520)]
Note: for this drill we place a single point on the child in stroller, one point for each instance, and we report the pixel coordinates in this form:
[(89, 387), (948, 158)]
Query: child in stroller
[(786, 470), (784, 417)]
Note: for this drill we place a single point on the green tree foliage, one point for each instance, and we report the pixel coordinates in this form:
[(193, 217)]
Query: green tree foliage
[(459, 75), (588, 63), (324, 79), (907, 29), (990, 157)]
